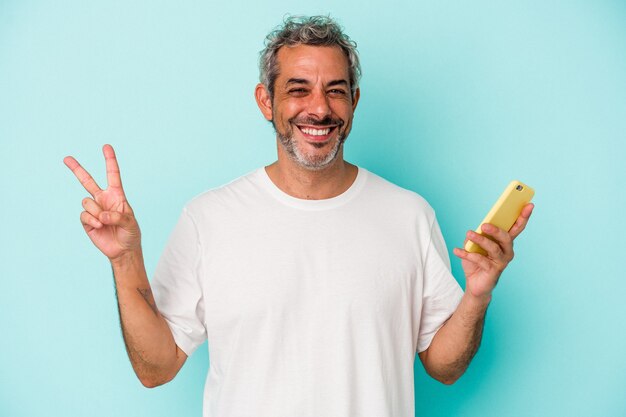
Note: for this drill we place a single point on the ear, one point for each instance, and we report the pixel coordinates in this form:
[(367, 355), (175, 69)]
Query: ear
[(355, 99), (263, 100)]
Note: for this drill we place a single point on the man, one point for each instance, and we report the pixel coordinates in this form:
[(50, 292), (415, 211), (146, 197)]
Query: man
[(315, 281)]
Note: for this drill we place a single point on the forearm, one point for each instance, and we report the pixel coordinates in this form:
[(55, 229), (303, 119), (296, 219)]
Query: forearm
[(456, 343), (149, 341)]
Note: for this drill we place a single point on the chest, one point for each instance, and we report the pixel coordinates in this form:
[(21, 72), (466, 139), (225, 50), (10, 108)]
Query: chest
[(256, 271)]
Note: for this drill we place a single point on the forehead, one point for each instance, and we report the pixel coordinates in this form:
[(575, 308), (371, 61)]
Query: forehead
[(307, 61)]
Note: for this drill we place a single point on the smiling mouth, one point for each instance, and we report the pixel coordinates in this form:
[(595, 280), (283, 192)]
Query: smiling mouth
[(316, 134)]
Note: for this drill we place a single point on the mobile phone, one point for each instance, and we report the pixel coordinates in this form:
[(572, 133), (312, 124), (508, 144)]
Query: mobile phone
[(505, 211)]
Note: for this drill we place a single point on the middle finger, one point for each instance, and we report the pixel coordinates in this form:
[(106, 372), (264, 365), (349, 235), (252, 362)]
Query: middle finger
[(502, 239), (493, 249)]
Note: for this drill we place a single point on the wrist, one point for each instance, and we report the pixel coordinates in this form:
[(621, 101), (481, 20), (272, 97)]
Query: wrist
[(127, 260), (477, 303)]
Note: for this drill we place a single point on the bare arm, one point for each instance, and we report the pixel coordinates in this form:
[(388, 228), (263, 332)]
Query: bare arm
[(110, 223), (153, 353), (456, 343)]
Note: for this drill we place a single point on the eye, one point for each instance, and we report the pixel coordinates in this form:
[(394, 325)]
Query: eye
[(337, 91), (297, 91)]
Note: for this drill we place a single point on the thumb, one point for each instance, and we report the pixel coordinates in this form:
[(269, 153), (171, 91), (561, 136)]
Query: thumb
[(115, 218)]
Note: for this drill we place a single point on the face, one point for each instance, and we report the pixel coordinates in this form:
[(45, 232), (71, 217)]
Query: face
[(313, 107)]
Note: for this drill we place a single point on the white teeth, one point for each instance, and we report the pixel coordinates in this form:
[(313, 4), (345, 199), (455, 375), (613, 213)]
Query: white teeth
[(315, 132)]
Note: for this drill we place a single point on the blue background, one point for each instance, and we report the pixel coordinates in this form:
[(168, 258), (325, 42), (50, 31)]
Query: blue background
[(457, 99)]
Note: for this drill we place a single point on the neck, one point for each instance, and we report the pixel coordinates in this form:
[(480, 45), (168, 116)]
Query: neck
[(307, 184)]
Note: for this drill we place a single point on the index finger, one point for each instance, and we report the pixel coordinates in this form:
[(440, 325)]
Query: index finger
[(83, 176), (113, 170), (522, 220)]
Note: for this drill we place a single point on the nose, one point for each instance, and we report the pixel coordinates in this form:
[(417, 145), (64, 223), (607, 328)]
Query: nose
[(319, 106)]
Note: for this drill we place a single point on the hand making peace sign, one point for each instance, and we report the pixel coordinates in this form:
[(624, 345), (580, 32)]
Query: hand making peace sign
[(108, 218)]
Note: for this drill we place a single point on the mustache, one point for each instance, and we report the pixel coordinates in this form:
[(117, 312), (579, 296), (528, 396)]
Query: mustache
[(311, 121)]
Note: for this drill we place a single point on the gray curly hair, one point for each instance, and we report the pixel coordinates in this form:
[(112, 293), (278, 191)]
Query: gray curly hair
[(303, 30)]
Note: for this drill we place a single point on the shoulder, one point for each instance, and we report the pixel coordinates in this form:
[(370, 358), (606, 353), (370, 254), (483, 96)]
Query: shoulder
[(393, 196), (242, 191)]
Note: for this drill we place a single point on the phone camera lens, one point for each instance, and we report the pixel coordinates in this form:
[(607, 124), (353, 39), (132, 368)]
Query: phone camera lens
[(519, 188)]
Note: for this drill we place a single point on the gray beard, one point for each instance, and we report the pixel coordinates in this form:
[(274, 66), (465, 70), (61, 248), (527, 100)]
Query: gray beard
[(315, 163)]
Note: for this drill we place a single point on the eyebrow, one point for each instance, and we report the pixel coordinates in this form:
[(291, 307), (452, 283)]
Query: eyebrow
[(337, 82), (304, 81), (296, 81)]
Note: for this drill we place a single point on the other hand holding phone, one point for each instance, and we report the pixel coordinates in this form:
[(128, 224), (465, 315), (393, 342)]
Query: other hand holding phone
[(489, 249)]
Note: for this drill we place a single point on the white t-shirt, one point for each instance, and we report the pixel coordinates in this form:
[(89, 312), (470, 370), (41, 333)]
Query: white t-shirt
[(311, 308)]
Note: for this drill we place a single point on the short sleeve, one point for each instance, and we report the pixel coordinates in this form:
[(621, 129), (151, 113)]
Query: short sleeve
[(441, 293), (176, 286)]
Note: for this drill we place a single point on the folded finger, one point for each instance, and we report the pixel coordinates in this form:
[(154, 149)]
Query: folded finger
[(476, 258), (91, 207), (89, 222), (83, 176), (493, 249), (501, 238)]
